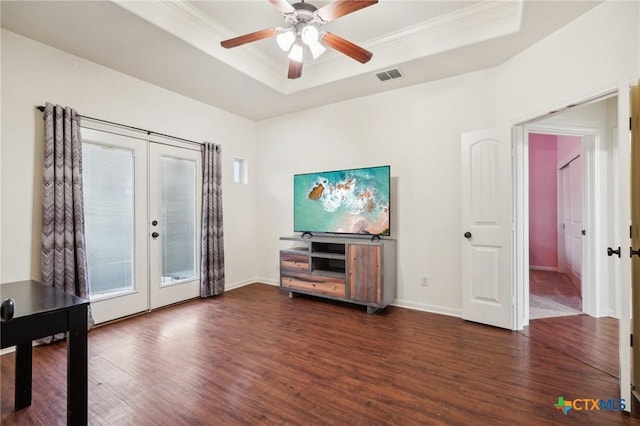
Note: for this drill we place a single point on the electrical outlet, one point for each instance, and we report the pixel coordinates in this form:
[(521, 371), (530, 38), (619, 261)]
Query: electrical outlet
[(423, 281)]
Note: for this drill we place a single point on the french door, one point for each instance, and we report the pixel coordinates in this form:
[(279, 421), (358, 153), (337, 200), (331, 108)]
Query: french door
[(142, 216), (175, 182)]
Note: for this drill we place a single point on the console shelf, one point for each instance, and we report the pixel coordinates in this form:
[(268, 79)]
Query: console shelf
[(355, 270)]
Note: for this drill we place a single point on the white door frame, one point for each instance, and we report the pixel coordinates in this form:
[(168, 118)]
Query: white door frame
[(592, 193), (594, 163)]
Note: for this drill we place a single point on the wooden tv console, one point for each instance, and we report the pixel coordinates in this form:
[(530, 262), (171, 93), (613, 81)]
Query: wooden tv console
[(356, 270)]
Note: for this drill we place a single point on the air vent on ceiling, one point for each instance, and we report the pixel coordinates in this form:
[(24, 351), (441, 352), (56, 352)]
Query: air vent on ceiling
[(389, 74)]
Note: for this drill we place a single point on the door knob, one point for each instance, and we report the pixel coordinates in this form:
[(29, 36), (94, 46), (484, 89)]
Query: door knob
[(611, 252), (155, 235), (632, 252), (467, 235)]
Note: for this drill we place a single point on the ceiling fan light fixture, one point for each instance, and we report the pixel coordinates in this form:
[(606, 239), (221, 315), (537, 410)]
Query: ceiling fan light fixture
[(297, 52), (301, 30), (285, 40)]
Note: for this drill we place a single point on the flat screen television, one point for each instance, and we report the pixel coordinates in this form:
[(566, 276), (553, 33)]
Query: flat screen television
[(350, 201)]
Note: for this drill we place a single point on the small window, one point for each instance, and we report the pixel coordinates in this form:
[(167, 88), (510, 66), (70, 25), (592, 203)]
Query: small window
[(239, 170)]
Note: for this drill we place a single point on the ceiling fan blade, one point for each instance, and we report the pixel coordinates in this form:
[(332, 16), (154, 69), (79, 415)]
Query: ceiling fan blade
[(248, 38), (339, 8), (283, 6), (345, 46), (295, 69)]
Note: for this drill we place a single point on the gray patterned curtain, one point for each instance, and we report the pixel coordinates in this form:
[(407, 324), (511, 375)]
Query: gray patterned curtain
[(212, 261), (64, 261)]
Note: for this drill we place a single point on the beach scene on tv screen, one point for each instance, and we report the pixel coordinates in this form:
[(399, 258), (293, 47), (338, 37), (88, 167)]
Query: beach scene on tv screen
[(346, 201)]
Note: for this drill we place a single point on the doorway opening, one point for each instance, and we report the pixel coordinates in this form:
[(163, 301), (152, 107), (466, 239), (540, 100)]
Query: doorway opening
[(583, 225), (607, 228), (592, 164), (555, 225)]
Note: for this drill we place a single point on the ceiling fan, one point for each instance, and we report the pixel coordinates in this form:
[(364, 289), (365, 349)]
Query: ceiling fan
[(300, 33)]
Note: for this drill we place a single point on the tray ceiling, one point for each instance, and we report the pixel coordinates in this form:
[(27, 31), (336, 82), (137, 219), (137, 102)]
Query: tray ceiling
[(176, 45)]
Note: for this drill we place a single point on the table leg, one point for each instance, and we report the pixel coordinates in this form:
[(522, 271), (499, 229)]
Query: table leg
[(77, 375), (24, 357)]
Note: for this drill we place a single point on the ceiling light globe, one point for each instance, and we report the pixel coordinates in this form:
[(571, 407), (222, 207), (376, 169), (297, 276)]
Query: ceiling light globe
[(296, 53), (309, 35), (285, 40), (317, 49)]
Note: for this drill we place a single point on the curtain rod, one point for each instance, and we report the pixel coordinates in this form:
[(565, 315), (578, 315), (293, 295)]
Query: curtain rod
[(138, 129)]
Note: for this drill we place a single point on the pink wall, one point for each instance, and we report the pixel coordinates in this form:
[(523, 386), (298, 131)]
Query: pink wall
[(543, 201), (568, 145)]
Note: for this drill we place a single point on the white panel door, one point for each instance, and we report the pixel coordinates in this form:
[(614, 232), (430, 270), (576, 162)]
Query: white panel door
[(487, 228), (623, 263), (115, 202), (571, 204), (630, 269), (565, 205), (175, 183), (575, 228)]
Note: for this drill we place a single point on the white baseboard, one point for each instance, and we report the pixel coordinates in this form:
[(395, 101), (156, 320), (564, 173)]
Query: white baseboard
[(544, 268), (269, 281), (251, 281), (426, 307)]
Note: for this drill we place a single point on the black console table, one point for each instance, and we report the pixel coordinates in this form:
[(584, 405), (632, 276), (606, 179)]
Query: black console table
[(42, 311)]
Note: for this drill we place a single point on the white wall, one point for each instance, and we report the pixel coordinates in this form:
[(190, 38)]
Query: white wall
[(417, 131), (33, 73), (592, 55)]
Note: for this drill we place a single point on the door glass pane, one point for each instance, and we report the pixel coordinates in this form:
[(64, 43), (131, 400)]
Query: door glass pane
[(107, 177), (178, 222)]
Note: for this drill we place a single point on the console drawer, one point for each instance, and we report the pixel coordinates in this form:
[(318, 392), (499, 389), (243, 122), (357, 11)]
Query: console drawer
[(332, 286), (294, 262)]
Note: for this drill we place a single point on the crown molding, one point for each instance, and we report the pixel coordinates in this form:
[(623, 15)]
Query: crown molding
[(473, 24)]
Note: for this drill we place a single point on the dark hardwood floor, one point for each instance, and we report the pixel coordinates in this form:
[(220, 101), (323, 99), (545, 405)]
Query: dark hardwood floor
[(254, 356), (593, 341)]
